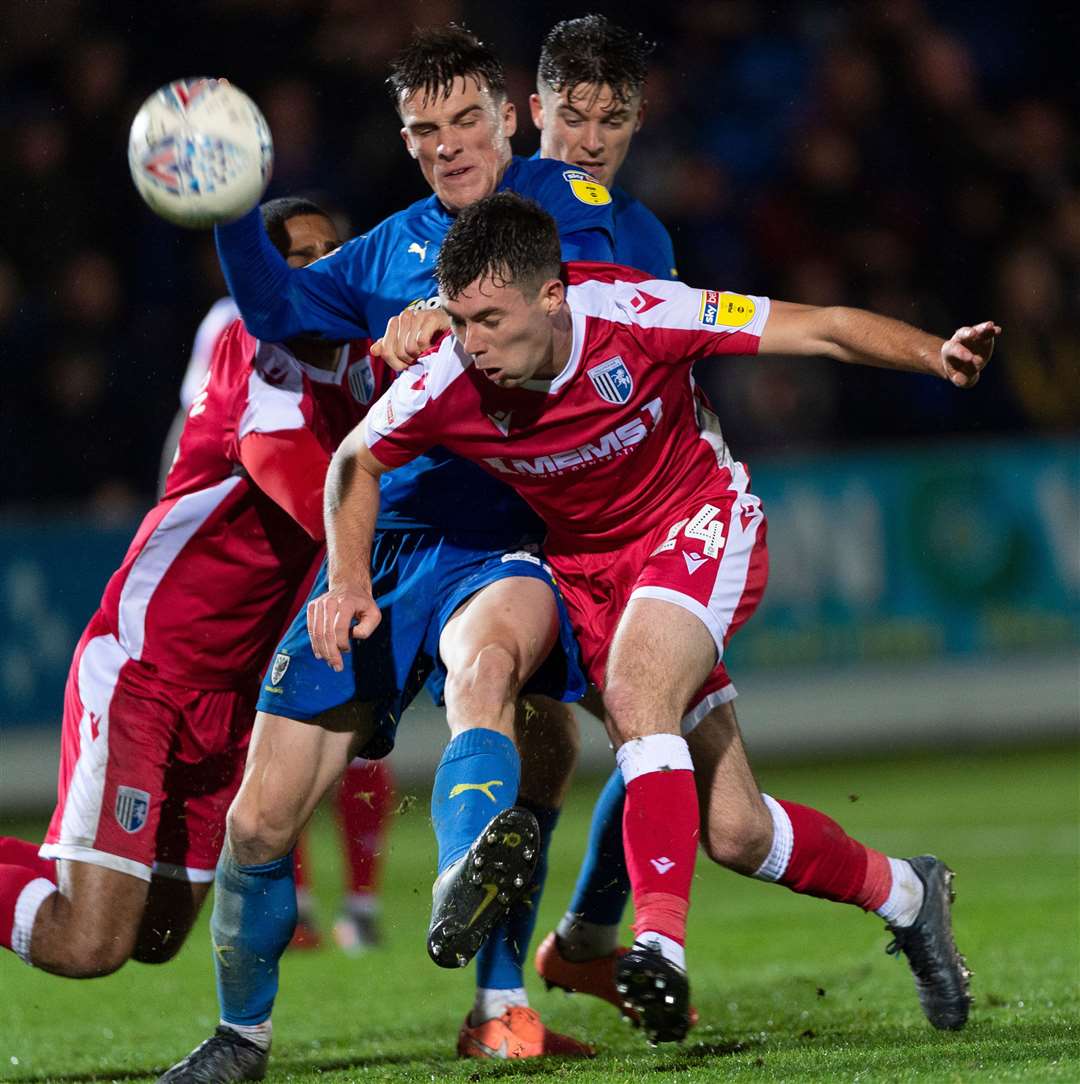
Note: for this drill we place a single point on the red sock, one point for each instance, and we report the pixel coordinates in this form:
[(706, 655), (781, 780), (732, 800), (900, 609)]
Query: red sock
[(18, 852), (300, 861), (363, 808), (825, 861), (661, 828), (13, 879)]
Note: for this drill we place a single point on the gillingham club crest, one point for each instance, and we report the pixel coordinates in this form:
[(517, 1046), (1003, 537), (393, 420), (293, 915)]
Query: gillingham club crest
[(131, 809), (612, 380), (362, 381)]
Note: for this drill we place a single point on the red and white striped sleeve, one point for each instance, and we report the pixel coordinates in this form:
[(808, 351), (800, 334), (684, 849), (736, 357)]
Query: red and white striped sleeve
[(674, 322), (276, 397), (413, 415)]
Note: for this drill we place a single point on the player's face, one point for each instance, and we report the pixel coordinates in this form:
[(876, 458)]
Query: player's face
[(462, 141), (511, 336), (586, 126), (310, 238)]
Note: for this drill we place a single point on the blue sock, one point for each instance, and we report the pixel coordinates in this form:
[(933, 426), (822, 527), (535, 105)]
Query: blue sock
[(500, 963), (253, 919), (603, 885), (477, 777)]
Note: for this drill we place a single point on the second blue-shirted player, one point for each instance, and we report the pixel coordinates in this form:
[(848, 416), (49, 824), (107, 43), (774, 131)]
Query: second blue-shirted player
[(465, 599)]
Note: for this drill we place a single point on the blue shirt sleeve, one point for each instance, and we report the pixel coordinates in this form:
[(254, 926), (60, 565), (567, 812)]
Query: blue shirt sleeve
[(578, 203), (592, 245), (641, 240), (278, 302)]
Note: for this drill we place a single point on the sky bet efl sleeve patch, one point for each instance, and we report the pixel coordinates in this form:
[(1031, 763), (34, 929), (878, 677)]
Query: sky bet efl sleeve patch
[(725, 310), (587, 188)]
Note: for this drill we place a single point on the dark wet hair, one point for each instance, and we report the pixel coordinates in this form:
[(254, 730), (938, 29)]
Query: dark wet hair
[(436, 56), (276, 212), (505, 237), (594, 51)]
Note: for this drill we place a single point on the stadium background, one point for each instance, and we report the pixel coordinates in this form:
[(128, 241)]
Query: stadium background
[(919, 159)]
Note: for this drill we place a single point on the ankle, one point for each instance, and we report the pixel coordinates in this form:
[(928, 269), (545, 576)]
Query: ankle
[(670, 949), (579, 941), (491, 1004), (260, 1034)]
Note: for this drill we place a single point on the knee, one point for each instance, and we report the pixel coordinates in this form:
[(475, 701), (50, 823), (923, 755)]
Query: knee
[(621, 705), (94, 953), (259, 831), (489, 682), (741, 840)]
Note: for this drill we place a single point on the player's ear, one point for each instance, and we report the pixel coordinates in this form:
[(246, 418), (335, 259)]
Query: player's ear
[(641, 111), (536, 108), (407, 140), (509, 118), (552, 294)]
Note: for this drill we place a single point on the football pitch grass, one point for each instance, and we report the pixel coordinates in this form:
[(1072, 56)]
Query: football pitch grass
[(787, 988)]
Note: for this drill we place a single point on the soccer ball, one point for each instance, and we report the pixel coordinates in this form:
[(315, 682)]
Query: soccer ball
[(200, 152)]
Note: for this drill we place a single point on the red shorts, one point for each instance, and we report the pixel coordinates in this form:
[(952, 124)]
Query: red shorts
[(148, 768), (710, 559)]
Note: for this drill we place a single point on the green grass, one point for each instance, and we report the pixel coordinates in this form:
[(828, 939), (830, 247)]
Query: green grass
[(788, 988)]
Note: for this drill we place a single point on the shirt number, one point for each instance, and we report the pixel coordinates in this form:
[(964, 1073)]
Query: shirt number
[(703, 527)]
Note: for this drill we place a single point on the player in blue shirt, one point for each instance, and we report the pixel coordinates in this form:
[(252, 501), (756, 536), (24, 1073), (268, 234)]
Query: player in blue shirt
[(589, 104), (466, 600)]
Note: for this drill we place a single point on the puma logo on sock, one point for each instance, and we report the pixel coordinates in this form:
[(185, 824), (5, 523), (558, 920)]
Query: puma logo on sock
[(484, 788)]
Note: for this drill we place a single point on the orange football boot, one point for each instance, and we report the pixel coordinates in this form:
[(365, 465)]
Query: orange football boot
[(518, 1033), (595, 977)]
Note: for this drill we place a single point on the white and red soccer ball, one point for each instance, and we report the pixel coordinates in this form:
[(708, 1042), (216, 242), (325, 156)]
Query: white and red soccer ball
[(200, 152)]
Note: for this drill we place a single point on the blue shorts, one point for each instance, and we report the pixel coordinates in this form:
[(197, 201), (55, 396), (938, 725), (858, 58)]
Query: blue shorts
[(419, 579)]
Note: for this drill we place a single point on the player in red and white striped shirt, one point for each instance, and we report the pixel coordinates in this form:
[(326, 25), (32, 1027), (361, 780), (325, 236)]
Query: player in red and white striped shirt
[(574, 385), (161, 694)]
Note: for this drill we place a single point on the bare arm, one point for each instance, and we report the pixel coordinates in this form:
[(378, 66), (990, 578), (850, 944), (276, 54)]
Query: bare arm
[(857, 336), (351, 506)]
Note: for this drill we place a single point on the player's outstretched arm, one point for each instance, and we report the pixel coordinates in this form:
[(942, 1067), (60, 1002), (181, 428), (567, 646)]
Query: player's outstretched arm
[(350, 510), (279, 302), (854, 335)]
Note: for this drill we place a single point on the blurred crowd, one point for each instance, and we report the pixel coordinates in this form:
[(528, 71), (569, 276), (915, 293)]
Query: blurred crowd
[(916, 158)]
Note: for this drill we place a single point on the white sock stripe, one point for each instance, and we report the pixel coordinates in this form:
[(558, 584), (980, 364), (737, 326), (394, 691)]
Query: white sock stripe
[(669, 948), (783, 839), (262, 1034), (653, 753), (905, 898), (490, 1003), (27, 905)]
